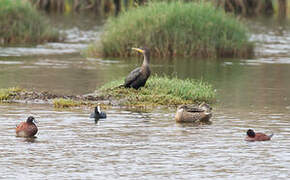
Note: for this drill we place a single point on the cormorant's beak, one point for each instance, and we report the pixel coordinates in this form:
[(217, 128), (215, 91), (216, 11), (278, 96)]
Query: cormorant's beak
[(139, 50)]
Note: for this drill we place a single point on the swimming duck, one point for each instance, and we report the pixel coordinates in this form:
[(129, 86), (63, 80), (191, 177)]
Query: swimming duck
[(27, 129), (186, 114), (252, 136), (98, 114)]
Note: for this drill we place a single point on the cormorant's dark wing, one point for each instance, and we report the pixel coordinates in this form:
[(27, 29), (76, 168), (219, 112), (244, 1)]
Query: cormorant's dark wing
[(133, 76)]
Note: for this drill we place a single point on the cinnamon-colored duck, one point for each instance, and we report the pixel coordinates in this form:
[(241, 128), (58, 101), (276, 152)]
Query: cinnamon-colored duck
[(252, 136), (27, 129)]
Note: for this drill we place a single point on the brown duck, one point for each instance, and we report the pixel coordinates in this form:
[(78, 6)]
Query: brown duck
[(187, 114), (27, 129), (252, 136)]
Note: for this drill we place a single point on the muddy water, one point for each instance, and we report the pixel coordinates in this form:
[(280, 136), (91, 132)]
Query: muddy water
[(142, 145), (148, 144)]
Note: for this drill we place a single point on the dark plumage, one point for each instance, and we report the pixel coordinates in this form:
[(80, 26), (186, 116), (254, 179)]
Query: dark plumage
[(98, 114), (252, 136), (138, 77), (27, 129)]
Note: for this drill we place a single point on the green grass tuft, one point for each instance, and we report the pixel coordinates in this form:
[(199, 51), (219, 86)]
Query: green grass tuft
[(7, 94), (22, 23), (161, 91), (175, 29), (67, 103)]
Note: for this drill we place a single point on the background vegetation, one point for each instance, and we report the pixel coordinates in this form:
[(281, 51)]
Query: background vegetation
[(244, 7), (8, 93), (175, 29), (67, 103), (21, 23)]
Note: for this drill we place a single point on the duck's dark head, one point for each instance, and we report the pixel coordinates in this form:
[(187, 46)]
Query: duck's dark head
[(30, 119), (96, 113), (251, 133)]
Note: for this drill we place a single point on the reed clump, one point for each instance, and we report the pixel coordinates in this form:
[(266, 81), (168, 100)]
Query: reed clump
[(175, 29), (160, 90), (22, 23)]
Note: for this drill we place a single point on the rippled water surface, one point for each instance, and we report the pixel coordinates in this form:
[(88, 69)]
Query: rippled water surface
[(143, 145), (147, 143)]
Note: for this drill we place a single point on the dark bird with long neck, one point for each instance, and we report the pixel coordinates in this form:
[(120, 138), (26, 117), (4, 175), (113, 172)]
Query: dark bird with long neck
[(138, 77)]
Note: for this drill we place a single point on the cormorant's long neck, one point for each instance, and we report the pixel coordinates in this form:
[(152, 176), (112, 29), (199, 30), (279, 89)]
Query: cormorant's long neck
[(146, 60)]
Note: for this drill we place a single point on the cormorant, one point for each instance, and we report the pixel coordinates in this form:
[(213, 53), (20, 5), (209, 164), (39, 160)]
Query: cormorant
[(138, 77)]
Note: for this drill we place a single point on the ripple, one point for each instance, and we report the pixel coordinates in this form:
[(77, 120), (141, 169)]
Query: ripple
[(126, 145), (271, 47), (11, 62), (23, 51), (76, 40)]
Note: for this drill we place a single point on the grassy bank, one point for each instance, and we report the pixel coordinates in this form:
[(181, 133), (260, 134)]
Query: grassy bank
[(21, 23), (9, 93), (67, 103), (175, 29), (15, 94), (160, 91)]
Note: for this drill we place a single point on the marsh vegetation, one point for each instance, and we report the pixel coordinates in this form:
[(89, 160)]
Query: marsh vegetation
[(254, 7), (8, 93), (160, 90), (251, 93), (175, 29), (67, 103), (104, 7), (100, 7), (22, 23)]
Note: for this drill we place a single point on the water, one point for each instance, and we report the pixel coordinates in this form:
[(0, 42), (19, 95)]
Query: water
[(142, 145), (147, 143)]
